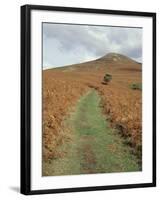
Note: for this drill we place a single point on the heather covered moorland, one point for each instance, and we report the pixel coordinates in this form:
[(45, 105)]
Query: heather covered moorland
[(92, 124)]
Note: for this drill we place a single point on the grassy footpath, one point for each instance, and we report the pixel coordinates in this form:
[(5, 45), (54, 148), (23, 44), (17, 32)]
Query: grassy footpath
[(95, 147)]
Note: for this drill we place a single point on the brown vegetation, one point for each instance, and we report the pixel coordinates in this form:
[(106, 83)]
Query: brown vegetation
[(62, 87)]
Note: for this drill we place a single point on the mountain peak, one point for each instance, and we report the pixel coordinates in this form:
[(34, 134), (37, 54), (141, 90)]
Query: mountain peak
[(116, 57)]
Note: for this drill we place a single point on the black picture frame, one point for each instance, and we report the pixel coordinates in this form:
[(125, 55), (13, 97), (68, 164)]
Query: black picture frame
[(26, 98)]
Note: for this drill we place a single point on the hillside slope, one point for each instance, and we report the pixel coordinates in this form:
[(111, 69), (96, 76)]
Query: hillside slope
[(64, 86), (107, 61)]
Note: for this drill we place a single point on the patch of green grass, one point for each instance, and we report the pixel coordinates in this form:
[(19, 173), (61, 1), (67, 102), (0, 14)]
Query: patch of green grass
[(136, 86), (112, 155), (95, 147)]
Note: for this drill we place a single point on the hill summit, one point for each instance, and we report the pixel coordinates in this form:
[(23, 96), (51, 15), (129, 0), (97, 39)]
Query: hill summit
[(116, 58), (111, 60)]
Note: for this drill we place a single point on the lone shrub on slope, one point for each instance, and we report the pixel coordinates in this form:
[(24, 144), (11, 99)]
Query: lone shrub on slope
[(107, 78)]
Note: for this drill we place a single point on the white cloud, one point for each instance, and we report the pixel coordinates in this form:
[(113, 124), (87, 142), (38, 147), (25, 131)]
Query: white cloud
[(69, 44)]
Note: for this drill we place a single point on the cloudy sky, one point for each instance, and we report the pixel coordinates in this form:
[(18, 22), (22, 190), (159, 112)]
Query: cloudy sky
[(69, 44)]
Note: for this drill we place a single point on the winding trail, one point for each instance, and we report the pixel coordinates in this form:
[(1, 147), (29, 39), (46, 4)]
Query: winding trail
[(95, 147)]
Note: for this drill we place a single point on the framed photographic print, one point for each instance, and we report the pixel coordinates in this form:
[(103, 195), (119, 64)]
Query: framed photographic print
[(88, 99)]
